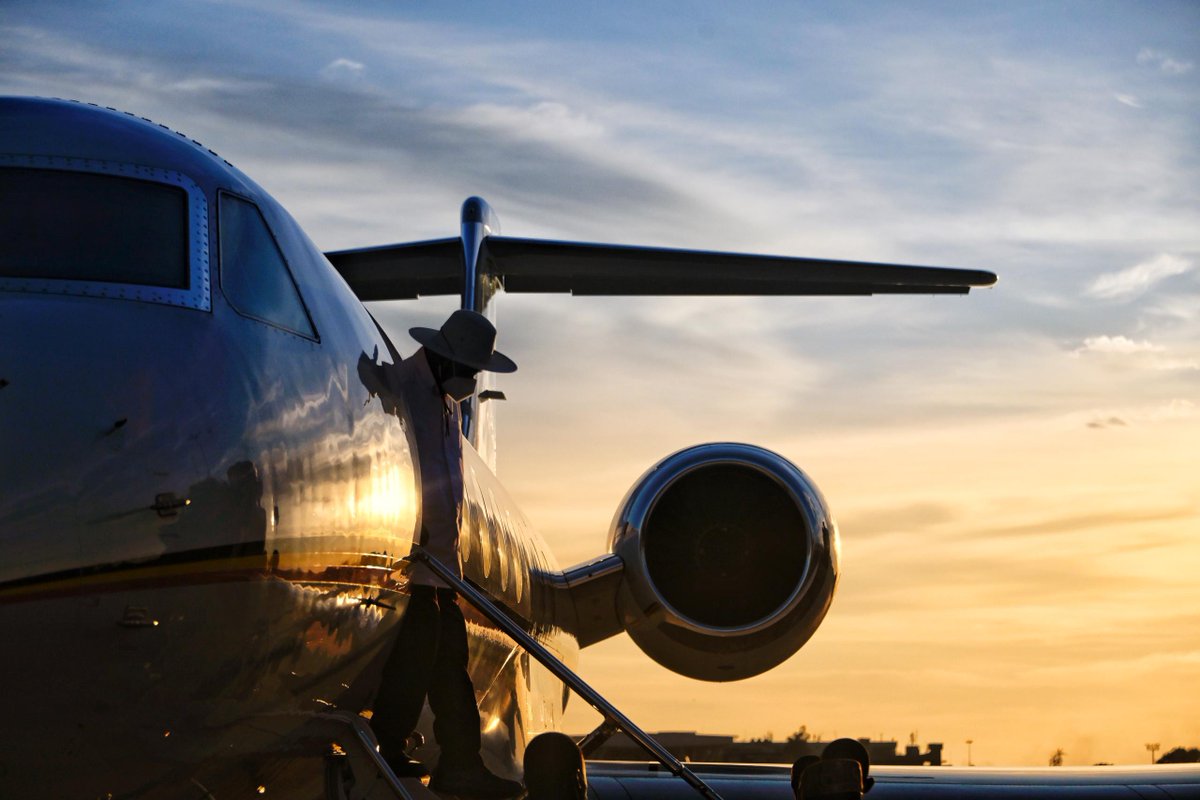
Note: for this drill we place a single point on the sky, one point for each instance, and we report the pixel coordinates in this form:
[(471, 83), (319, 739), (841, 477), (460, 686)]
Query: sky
[(1014, 472)]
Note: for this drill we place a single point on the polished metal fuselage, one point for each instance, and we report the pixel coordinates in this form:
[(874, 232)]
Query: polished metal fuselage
[(203, 516)]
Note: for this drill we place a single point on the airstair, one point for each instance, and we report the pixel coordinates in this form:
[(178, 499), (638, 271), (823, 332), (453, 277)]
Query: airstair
[(361, 773), (614, 720)]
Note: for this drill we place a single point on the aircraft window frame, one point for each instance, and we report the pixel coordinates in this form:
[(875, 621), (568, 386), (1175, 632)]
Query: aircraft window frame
[(197, 295), (312, 335)]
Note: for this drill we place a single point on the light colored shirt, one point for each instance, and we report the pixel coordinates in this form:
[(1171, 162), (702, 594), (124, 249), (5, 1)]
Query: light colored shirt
[(437, 428)]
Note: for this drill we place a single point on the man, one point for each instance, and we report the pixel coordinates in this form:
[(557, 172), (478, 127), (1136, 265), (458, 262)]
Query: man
[(841, 773), (802, 763), (854, 750), (429, 657), (554, 768), (831, 779)]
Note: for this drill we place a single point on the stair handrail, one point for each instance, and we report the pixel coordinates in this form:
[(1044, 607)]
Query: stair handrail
[(564, 673)]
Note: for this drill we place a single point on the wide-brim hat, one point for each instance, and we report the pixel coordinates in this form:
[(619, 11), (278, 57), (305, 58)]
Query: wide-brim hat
[(467, 338)]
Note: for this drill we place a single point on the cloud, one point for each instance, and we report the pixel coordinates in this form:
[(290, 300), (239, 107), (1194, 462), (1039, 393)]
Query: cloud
[(903, 519), (553, 122), (1174, 410), (1179, 306), (343, 68), (1126, 351), (1138, 278), (535, 159), (1086, 523), (204, 85), (1163, 61), (1118, 345), (1128, 100)]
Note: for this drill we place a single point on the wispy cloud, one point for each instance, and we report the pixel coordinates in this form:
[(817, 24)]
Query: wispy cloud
[(1178, 408), (901, 520), (1174, 410), (1123, 351), (343, 68), (546, 120), (1182, 306), (1163, 61), (1127, 99), (1086, 523), (1138, 278), (207, 85), (1119, 345)]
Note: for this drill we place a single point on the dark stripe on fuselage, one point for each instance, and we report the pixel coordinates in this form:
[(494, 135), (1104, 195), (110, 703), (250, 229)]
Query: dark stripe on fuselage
[(244, 561), (221, 565)]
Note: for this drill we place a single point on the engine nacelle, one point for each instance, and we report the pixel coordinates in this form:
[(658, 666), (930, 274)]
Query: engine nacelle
[(730, 561)]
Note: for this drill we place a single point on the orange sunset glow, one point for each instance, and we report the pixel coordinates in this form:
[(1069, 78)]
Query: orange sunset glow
[(1030, 584), (1016, 472)]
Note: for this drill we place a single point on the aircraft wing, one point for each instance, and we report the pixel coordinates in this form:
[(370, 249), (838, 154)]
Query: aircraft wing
[(626, 779), (402, 271), (543, 266)]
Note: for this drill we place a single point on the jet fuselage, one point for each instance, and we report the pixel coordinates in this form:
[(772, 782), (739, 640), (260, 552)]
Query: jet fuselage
[(208, 486)]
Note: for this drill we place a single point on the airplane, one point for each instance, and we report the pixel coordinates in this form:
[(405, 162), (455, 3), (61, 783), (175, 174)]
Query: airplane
[(210, 499)]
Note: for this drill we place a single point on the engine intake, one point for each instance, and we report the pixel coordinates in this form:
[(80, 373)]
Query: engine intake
[(730, 561)]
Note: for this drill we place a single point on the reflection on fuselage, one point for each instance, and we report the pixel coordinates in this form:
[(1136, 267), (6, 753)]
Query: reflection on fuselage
[(204, 514), (500, 546), (503, 553)]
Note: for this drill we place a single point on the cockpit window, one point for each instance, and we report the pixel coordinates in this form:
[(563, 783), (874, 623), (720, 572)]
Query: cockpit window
[(101, 229), (254, 276), (88, 227)]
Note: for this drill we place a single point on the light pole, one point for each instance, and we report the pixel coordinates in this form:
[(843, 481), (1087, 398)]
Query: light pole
[(969, 743), (1153, 748)]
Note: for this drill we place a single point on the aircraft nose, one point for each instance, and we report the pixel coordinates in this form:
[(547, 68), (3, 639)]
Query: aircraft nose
[(98, 437)]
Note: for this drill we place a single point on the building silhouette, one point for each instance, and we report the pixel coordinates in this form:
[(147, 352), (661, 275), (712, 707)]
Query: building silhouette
[(1181, 755), (692, 746)]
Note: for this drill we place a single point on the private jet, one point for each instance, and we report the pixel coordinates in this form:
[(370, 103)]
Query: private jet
[(210, 498)]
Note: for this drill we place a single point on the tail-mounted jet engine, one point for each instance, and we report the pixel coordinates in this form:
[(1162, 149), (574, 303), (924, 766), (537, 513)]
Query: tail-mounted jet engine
[(724, 562)]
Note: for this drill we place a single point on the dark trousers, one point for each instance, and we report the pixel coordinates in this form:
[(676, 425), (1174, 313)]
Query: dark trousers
[(429, 658)]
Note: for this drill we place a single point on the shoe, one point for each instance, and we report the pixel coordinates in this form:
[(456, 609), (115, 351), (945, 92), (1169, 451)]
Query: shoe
[(405, 766), (473, 781)]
